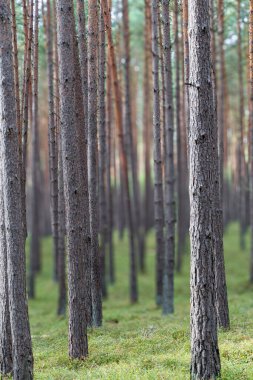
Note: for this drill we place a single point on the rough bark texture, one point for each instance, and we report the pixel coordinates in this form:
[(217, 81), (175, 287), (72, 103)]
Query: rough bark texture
[(205, 362), (75, 226), (11, 185), (83, 132), (96, 291), (158, 178), (5, 326)]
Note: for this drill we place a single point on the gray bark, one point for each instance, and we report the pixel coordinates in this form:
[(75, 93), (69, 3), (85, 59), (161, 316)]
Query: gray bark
[(92, 163), (75, 220), (205, 361), (11, 185), (52, 138), (168, 274), (102, 151), (5, 326), (158, 178)]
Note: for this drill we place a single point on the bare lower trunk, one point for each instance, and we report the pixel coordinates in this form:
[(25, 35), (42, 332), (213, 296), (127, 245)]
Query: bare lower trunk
[(77, 244), (169, 203), (205, 361), (5, 326), (158, 178), (11, 185)]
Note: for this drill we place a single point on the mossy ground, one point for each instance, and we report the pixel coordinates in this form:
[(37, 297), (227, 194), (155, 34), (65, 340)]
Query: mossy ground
[(136, 341)]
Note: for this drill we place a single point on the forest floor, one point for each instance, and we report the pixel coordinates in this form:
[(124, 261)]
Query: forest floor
[(136, 341)]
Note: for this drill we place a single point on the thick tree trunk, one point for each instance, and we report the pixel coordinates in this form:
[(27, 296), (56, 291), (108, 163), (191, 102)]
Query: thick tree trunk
[(77, 244), (11, 185), (158, 177), (205, 362), (5, 326)]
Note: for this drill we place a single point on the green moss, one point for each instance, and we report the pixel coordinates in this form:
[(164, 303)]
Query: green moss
[(136, 341)]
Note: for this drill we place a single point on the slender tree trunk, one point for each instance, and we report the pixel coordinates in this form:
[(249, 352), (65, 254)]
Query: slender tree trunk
[(61, 262), (11, 186), (27, 81), (16, 73), (110, 189), (77, 244), (169, 203), (102, 152), (35, 241), (220, 275), (205, 361), (82, 46), (147, 117), (123, 156), (158, 177), (52, 138), (241, 156), (128, 119), (96, 291)]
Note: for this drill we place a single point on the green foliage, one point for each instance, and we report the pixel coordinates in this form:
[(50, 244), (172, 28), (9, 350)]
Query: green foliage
[(136, 341)]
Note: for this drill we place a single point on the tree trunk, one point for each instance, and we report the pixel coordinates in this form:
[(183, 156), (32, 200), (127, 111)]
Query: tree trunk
[(158, 177), (35, 230), (77, 244), (96, 291), (241, 155), (53, 159), (102, 151), (61, 257), (220, 275), (205, 362), (11, 185), (169, 203), (110, 189), (5, 326)]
